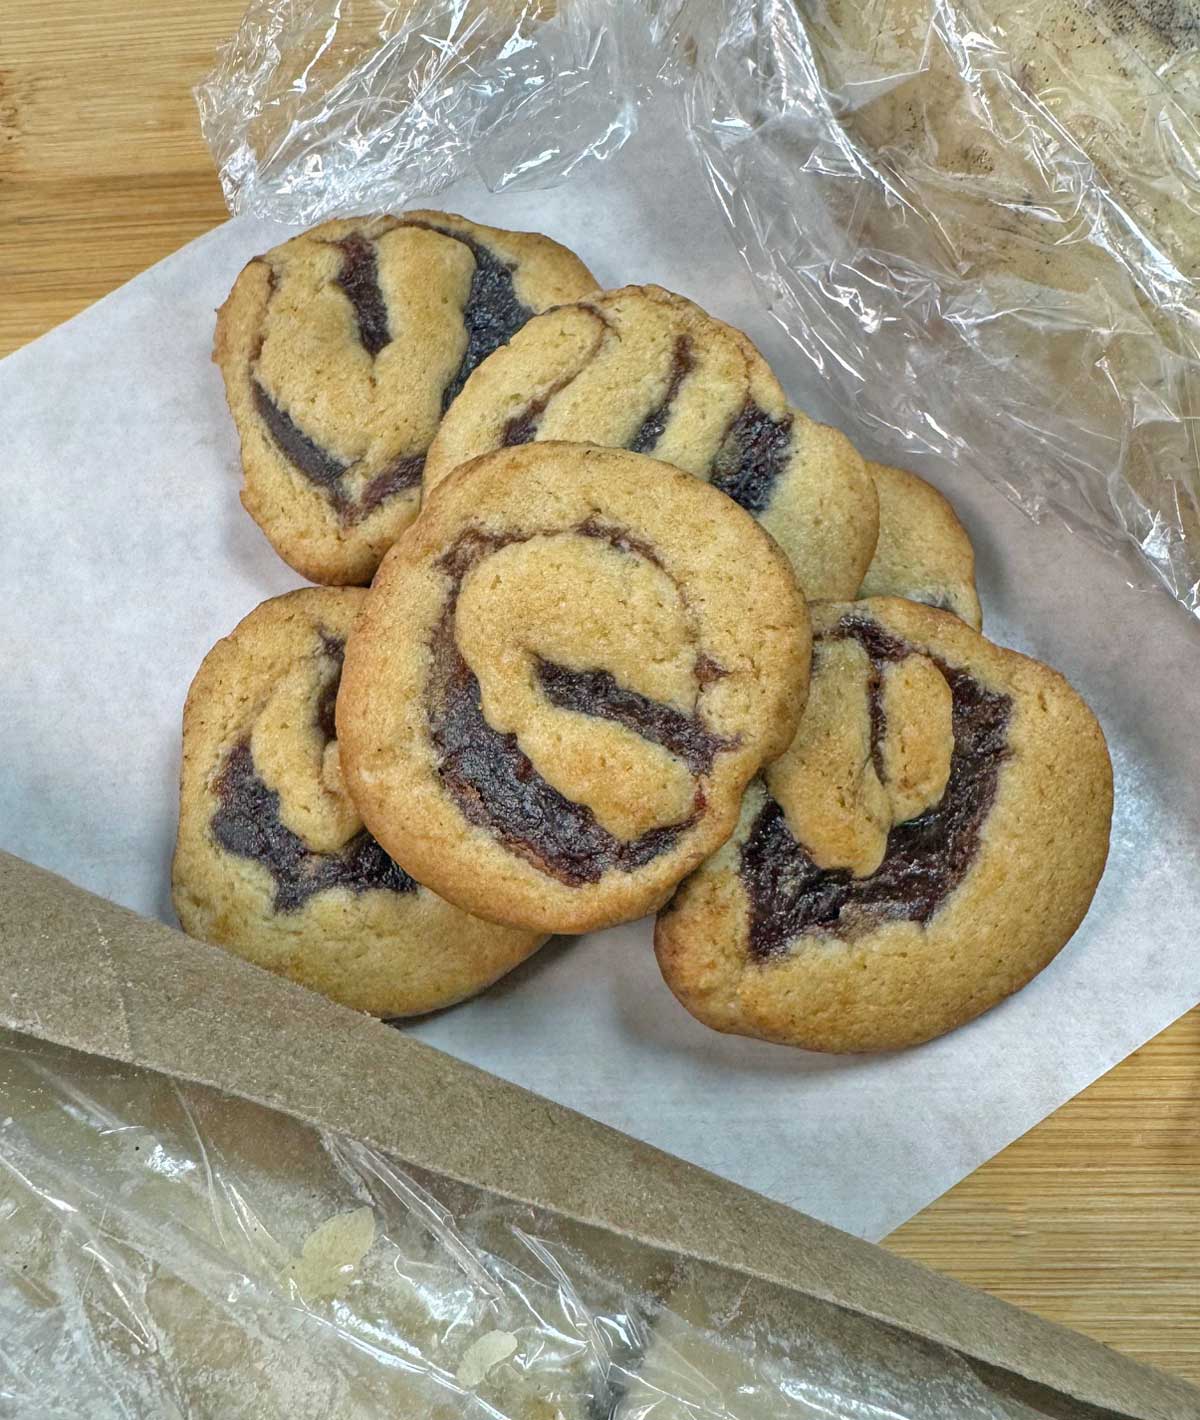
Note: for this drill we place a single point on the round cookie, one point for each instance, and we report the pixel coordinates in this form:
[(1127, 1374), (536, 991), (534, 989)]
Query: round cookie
[(646, 370), (341, 350), (928, 843), (923, 552), (566, 673), (272, 859)]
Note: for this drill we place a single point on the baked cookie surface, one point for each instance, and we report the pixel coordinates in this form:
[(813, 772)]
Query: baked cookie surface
[(565, 674), (646, 370), (272, 859), (930, 840), (923, 553), (341, 350)]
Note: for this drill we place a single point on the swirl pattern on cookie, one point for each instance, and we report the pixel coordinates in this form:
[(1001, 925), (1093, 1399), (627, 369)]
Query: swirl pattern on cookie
[(923, 553), (341, 350), (929, 841), (645, 370), (565, 675), (273, 860)]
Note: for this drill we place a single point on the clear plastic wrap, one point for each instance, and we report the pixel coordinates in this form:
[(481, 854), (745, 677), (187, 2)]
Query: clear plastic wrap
[(978, 221), (169, 1251)]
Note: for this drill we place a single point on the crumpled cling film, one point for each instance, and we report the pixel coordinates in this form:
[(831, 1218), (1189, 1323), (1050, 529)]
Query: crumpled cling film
[(171, 1252), (977, 220)]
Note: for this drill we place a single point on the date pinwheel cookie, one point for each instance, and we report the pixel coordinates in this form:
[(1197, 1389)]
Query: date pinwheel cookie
[(341, 350), (930, 840), (646, 370), (273, 860), (565, 675)]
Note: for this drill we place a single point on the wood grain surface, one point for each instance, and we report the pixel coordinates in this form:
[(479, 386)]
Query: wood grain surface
[(1092, 1219)]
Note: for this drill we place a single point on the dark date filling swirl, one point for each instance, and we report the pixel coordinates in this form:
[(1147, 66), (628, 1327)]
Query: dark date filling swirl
[(753, 453), (495, 784), (926, 858), (492, 315), (247, 823)]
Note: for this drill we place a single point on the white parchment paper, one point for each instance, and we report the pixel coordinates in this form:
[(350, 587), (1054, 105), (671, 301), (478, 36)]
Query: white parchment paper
[(125, 554)]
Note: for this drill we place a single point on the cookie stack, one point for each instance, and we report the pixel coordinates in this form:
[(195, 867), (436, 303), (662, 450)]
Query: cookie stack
[(640, 637)]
